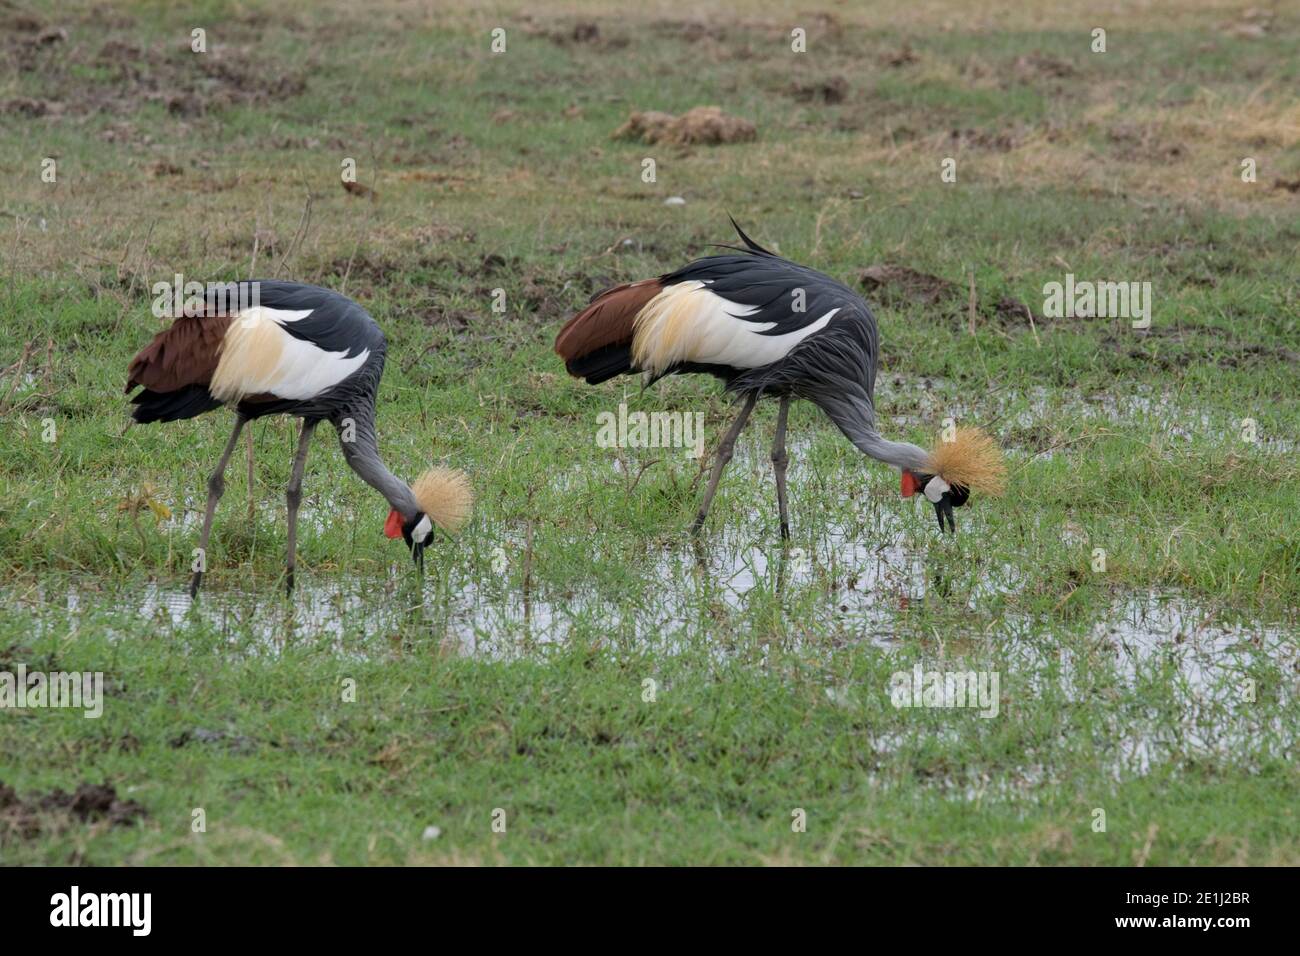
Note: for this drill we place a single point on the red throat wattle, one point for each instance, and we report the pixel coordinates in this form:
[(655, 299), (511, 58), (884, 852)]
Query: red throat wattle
[(393, 526), (909, 484)]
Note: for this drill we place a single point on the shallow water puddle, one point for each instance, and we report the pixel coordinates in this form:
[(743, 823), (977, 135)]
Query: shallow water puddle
[(483, 618), (1183, 684), (843, 586), (1220, 672), (856, 574), (1042, 406)]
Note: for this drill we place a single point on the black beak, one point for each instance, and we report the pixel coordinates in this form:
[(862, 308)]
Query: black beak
[(942, 509), (417, 555)]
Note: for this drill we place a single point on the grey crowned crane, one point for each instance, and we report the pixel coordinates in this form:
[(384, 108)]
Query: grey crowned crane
[(282, 348), (767, 326)]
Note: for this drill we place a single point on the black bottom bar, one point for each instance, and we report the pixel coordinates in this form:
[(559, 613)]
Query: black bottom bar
[(1216, 907)]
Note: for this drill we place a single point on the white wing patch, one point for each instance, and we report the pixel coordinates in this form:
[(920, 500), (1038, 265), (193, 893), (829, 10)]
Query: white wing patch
[(687, 322), (258, 312), (258, 356)]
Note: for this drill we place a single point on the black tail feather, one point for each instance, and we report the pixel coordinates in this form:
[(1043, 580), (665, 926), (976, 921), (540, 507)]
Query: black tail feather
[(602, 364), (186, 402), (749, 243)]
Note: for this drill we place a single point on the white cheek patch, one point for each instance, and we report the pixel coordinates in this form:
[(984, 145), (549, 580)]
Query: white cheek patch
[(935, 489), (420, 533)]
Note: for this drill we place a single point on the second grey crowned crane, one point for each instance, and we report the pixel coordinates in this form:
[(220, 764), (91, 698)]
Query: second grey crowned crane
[(767, 326), (285, 348)]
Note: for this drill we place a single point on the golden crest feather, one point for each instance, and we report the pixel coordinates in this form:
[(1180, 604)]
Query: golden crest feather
[(445, 496), (971, 460)]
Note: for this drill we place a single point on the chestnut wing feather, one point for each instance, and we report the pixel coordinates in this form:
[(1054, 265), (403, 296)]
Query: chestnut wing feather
[(184, 353), (608, 320)]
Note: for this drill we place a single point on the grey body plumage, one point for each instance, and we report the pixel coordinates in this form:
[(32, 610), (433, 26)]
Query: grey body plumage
[(834, 367), (179, 369), (766, 326)]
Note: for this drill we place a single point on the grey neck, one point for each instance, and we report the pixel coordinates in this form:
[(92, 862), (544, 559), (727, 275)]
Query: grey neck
[(362, 454), (857, 420), (900, 454)]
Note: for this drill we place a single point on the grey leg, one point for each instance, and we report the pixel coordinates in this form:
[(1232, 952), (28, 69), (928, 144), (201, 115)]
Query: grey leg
[(779, 460), (293, 494), (252, 511), (216, 485), (721, 458)]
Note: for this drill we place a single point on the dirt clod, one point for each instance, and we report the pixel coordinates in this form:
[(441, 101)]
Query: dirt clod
[(202, 735), (691, 31), (26, 106), (51, 35), (901, 284), (1032, 66), (360, 191), (704, 124), (118, 51), (905, 56), (580, 32), (491, 263), (830, 89), (1001, 141), (1011, 309)]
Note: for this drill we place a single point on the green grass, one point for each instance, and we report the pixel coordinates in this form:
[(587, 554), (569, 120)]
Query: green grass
[(1160, 690)]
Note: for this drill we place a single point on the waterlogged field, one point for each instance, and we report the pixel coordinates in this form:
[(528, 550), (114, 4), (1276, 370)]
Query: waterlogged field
[(576, 679)]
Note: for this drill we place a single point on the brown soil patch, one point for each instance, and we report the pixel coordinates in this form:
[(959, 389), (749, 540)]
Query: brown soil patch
[(577, 33), (1254, 24), (691, 31), (585, 32), (91, 803), (1174, 350), (30, 108), (830, 89), (1002, 141), (362, 273), (904, 56), (1035, 66), (897, 286), (185, 82), (201, 735), (1141, 143), (901, 285), (27, 41), (358, 190), (706, 125)]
